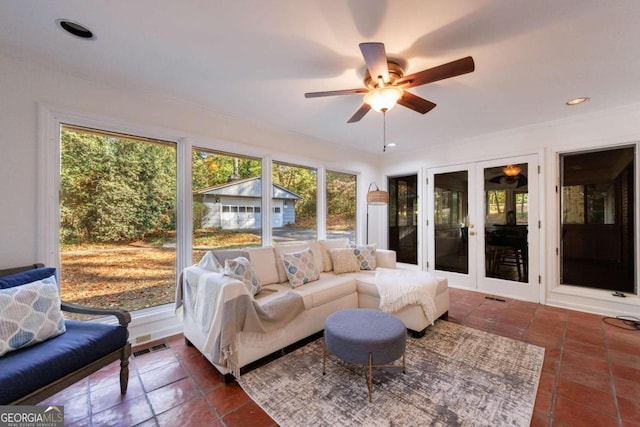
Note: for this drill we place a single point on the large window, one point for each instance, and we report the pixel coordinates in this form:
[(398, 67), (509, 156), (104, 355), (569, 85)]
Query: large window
[(294, 201), (112, 199), (341, 205), (597, 219), (117, 219), (227, 201)]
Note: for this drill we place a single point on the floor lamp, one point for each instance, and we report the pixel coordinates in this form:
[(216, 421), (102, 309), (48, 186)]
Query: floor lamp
[(375, 197)]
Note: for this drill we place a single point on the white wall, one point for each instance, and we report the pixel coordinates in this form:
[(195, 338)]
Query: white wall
[(606, 128)]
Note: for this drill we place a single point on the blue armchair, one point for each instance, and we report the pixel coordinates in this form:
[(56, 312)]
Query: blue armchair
[(32, 373)]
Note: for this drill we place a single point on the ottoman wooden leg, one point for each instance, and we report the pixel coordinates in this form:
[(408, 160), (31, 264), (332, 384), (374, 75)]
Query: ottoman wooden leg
[(324, 358), (370, 376)]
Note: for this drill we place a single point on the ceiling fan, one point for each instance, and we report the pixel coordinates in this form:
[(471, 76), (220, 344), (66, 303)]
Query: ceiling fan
[(386, 84)]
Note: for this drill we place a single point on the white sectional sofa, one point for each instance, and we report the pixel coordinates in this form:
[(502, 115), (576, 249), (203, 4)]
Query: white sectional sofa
[(332, 292)]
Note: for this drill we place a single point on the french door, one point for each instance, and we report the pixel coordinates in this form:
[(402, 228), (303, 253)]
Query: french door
[(483, 227)]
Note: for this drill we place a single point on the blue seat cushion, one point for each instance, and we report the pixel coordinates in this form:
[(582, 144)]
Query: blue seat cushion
[(31, 368)]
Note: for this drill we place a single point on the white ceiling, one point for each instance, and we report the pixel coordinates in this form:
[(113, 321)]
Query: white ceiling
[(255, 59)]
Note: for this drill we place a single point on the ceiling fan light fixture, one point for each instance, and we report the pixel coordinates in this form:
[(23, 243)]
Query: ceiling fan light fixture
[(511, 170), (383, 98)]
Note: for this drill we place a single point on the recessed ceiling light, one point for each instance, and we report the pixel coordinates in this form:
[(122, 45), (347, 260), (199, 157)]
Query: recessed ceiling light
[(391, 144), (75, 29), (577, 101)]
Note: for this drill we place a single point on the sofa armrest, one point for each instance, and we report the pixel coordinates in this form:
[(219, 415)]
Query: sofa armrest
[(385, 258), (123, 316)]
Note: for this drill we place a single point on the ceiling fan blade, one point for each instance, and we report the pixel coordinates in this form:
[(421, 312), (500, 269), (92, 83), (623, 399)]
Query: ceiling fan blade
[(441, 72), (364, 109), (335, 92), (376, 59), (416, 103)]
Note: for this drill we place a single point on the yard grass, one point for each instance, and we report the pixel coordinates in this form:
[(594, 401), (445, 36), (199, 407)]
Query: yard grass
[(139, 274), (133, 275)]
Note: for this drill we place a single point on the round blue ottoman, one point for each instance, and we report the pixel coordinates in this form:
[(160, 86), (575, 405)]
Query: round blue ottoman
[(365, 337)]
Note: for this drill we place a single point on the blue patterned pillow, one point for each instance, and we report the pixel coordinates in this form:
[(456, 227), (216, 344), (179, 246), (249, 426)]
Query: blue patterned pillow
[(29, 314), (300, 267), (366, 255), (240, 268)]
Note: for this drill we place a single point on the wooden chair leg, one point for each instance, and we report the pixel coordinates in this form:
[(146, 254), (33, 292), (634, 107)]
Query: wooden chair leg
[(124, 369)]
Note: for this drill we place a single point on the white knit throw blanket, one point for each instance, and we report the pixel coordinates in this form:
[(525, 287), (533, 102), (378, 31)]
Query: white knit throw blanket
[(400, 288)]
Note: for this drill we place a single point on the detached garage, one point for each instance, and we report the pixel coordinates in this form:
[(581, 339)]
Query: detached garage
[(238, 205)]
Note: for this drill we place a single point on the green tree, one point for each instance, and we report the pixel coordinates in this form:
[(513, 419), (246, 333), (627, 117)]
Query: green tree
[(115, 189), (210, 168), (303, 182)]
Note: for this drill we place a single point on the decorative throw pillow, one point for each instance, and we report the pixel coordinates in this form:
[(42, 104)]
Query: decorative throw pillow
[(240, 268), (286, 248), (210, 262), (366, 255), (326, 246), (344, 260), (30, 314), (300, 267)]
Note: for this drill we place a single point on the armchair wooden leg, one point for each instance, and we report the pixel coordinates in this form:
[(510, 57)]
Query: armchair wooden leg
[(124, 368)]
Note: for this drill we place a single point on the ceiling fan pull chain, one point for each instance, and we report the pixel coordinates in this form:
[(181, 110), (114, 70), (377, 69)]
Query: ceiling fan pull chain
[(384, 130)]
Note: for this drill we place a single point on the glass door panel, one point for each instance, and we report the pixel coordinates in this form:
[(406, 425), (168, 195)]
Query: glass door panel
[(451, 231), (506, 201), (403, 218), (508, 209)]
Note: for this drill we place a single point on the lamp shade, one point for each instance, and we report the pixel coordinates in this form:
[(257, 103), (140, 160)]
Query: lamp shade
[(377, 197), (383, 98)]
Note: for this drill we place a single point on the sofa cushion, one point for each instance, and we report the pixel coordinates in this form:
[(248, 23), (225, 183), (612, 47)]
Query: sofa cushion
[(344, 260), (269, 292), (33, 367), (300, 267), (366, 283), (263, 261), (224, 254), (26, 277), (328, 288), (240, 268), (315, 247), (326, 246), (385, 258), (366, 255), (29, 314)]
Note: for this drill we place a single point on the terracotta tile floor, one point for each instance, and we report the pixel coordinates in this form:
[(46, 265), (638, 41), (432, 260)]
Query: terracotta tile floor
[(591, 375)]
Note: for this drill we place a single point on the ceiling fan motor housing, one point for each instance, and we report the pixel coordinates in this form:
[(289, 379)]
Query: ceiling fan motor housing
[(395, 73)]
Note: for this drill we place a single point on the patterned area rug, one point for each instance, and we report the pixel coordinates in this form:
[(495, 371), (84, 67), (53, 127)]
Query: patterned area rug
[(456, 376)]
